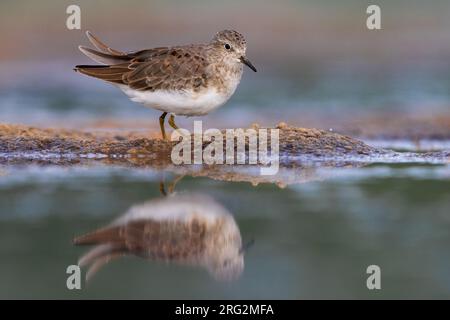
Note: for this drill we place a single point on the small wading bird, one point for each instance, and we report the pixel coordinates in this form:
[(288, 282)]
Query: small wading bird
[(189, 80), (188, 229)]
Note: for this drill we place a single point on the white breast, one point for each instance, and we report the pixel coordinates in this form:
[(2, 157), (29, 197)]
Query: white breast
[(186, 102), (181, 208)]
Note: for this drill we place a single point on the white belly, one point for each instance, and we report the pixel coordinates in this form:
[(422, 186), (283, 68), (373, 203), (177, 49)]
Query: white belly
[(187, 103)]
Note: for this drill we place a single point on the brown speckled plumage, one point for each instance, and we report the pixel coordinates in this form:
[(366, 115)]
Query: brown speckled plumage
[(190, 80), (170, 241), (168, 68)]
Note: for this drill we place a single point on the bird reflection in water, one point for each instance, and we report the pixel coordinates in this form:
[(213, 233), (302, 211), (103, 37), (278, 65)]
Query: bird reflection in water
[(189, 229)]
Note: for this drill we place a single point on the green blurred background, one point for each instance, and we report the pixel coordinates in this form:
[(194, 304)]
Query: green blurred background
[(316, 59)]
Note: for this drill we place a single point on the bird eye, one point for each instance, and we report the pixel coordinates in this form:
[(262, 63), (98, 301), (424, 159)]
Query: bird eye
[(227, 46)]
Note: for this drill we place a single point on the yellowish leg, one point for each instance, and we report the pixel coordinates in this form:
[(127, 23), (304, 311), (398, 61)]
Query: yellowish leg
[(161, 124), (162, 189), (171, 187), (174, 183), (172, 122)]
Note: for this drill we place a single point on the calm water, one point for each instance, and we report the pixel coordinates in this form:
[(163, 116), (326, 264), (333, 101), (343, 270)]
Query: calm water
[(315, 230), (295, 94), (312, 239)]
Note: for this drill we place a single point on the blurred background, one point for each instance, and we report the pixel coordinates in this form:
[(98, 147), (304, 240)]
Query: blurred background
[(318, 63), (318, 66)]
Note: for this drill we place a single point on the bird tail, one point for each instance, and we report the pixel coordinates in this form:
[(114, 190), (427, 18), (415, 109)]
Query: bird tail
[(109, 246), (109, 234), (103, 47), (99, 256), (104, 55), (108, 73), (114, 62)]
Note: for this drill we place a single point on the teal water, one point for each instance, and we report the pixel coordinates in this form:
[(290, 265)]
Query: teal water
[(332, 90), (312, 240)]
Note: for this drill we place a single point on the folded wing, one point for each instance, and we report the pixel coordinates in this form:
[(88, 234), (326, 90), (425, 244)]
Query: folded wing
[(151, 69)]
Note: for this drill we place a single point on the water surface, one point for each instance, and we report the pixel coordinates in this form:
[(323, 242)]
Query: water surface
[(312, 240)]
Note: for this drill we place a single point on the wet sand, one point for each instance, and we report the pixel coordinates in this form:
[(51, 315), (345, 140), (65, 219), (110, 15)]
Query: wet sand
[(293, 142), (305, 154)]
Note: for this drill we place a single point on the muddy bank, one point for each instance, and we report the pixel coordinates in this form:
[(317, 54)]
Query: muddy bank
[(300, 148), (305, 154), (293, 141)]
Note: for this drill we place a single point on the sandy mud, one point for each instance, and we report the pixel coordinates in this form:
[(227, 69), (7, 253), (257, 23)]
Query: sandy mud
[(305, 154), (293, 141)]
